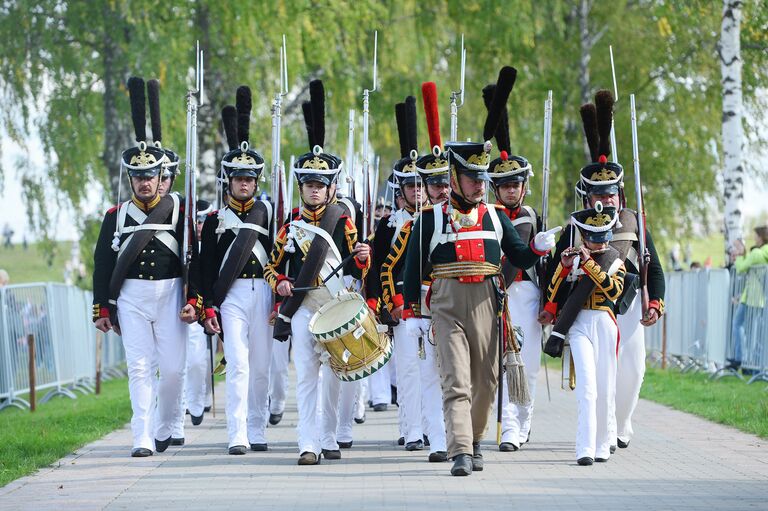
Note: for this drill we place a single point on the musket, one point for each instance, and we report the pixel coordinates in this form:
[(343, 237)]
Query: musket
[(348, 174), (643, 256), (290, 188), (278, 170), (543, 262), (614, 153), (457, 97), (367, 185), (195, 99)]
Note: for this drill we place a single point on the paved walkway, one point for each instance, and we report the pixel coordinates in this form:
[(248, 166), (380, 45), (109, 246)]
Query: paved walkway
[(676, 461)]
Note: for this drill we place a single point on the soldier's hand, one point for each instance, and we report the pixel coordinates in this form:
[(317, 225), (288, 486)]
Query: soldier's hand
[(188, 314), (285, 288), (651, 317), (397, 313), (362, 252), (546, 318), (212, 325), (103, 324), (545, 241), (567, 256)]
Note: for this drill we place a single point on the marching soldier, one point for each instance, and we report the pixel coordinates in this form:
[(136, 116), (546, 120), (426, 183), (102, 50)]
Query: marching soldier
[(317, 238), (418, 378), (235, 243), (138, 287), (464, 239), (509, 179), (591, 325), (602, 181)]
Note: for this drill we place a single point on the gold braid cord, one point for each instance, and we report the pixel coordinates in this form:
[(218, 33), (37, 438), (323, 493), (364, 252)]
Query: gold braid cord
[(464, 269)]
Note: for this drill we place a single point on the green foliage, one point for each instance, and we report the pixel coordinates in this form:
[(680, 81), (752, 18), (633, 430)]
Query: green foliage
[(726, 401), (63, 66), (38, 263), (35, 440)]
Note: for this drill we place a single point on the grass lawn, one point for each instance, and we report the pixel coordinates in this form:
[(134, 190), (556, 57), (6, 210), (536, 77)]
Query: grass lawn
[(58, 427), (31, 265), (726, 401)]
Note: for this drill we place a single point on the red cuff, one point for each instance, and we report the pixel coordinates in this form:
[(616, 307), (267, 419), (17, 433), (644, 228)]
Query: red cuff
[(408, 313), (551, 307), (360, 265), (537, 252), (398, 301), (373, 303), (210, 313), (104, 312), (654, 304), (281, 278), (192, 302)]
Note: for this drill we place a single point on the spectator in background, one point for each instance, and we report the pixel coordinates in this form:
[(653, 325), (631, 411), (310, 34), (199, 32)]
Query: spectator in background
[(7, 234), (4, 278), (752, 300), (695, 265)]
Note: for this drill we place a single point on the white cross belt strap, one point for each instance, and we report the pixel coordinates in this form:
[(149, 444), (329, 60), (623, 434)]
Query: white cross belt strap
[(304, 233), (439, 237), (164, 231), (234, 223)]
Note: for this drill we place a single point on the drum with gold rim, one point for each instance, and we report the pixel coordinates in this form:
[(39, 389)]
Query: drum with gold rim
[(348, 331)]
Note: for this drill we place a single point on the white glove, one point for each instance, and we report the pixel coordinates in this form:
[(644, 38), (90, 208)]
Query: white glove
[(415, 328), (545, 241)]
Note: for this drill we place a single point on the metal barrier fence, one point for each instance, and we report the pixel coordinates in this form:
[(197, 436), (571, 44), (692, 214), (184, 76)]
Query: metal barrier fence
[(65, 342), (712, 318)]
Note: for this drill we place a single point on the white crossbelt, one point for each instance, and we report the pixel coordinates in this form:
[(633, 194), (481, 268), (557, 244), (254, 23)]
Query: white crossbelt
[(163, 234), (234, 223)]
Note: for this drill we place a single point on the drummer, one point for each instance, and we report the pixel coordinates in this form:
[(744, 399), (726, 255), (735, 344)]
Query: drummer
[(294, 262)]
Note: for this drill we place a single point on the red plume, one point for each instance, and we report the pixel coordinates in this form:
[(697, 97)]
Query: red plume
[(504, 156), (602, 159), (429, 96)]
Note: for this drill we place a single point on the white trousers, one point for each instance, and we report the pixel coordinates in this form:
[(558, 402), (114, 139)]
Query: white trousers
[(153, 337), (524, 310), (418, 389), (316, 428), (380, 385), (278, 376), (629, 376), (196, 378), (593, 345), (248, 350), (348, 403)]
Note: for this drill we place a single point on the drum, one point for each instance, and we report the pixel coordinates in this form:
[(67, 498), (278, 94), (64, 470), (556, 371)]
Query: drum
[(350, 334)]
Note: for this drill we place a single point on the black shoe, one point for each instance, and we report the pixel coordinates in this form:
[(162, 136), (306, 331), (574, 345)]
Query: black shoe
[(477, 457), (438, 457), (401, 440), (381, 407), (259, 447), (585, 461), (187, 412), (426, 441), (360, 420), (345, 445), (162, 445), (414, 446), (393, 391), (237, 450), (601, 460), (207, 409), (462, 465), (507, 447), (613, 449), (309, 458), (177, 441), (140, 452), (275, 418), (197, 419), (621, 444), (331, 454)]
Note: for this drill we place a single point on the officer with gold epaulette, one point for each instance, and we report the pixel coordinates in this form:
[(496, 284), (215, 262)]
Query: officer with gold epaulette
[(137, 286), (464, 239)]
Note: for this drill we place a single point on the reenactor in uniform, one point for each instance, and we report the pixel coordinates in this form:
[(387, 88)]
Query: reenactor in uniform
[(509, 178), (235, 244), (418, 378), (602, 181), (293, 263), (137, 286), (592, 332), (464, 239)]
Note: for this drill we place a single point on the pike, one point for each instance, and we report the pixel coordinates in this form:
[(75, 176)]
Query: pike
[(278, 169), (367, 185), (543, 261), (643, 254), (457, 97)]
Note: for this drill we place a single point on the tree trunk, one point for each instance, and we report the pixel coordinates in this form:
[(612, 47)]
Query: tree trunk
[(733, 168)]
